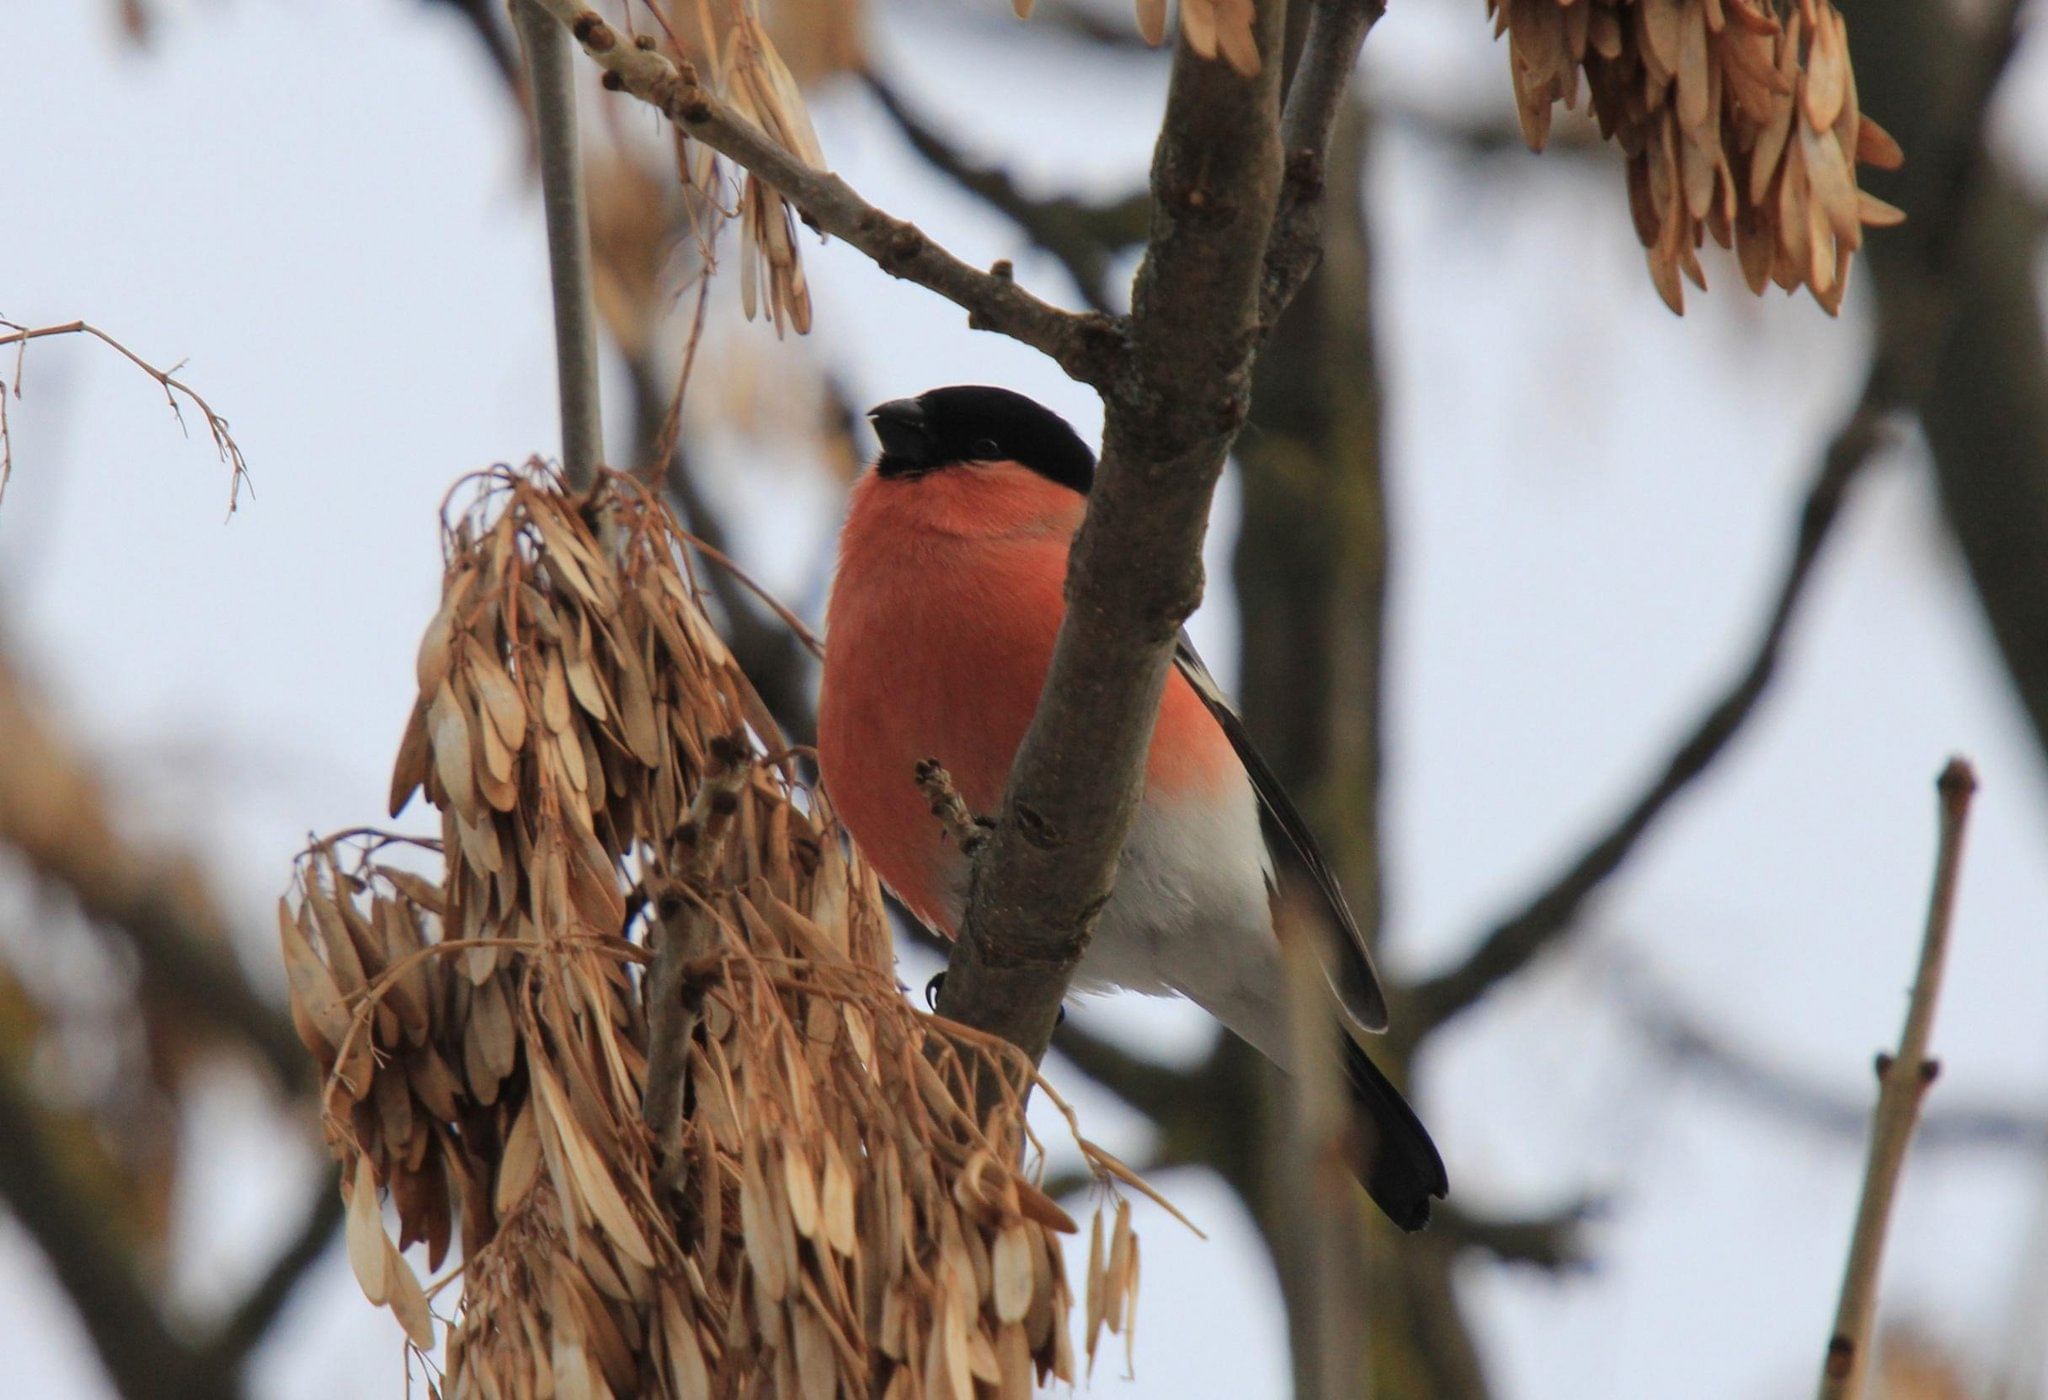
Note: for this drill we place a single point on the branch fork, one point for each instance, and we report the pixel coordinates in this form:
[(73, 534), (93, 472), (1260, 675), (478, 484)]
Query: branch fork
[(1232, 239)]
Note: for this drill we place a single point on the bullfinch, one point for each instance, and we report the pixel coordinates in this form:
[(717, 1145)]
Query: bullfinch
[(946, 603)]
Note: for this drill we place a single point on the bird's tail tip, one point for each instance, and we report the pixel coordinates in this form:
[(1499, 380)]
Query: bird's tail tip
[(1392, 1154)]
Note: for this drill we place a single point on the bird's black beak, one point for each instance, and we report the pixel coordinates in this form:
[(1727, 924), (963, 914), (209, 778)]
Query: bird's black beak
[(906, 438)]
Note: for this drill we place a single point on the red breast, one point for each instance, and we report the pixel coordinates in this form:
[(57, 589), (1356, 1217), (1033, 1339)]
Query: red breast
[(944, 611)]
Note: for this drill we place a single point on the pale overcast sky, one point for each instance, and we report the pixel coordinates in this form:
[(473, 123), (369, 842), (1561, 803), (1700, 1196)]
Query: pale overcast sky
[(323, 209)]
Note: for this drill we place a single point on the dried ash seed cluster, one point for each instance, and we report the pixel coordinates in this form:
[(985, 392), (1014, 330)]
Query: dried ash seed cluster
[(831, 1218), (733, 55), (1213, 28), (1737, 121)]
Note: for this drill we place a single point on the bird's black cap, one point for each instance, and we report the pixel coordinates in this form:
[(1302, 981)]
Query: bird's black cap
[(967, 423)]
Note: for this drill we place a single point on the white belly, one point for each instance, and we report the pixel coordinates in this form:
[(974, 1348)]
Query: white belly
[(1191, 916)]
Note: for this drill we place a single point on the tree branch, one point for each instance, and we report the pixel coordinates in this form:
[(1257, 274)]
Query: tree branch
[(138, 1349), (216, 426), (675, 983), (1553, 1240), (53, 814), (1683, 1039), (1921, 340), (1903, 1081), (1959, 276), (1082, 236), (550, 78), (252, 1317), (1088, 346), (1552, 913), (1135, 572), (1159, 1092), (1336, 31)]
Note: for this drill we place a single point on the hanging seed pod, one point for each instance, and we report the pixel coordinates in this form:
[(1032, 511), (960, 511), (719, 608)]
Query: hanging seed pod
[(1737, 125), (834, 1218)]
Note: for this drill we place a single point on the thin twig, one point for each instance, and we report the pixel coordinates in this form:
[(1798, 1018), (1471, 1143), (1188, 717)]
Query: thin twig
[(550, 75), (676, 982), (1691, 1044), (19, 336), (1089, 346), (1082, 236), (1546, 918), (1902, 1085)]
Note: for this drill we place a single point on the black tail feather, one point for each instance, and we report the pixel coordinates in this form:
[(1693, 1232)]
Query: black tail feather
[(1395, 1160)]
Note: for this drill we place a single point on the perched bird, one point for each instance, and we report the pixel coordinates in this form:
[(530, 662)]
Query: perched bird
[(940, 629)]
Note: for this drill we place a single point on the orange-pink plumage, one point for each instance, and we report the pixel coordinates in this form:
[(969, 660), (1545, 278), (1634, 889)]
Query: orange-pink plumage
[(948, 600), (945, 609)]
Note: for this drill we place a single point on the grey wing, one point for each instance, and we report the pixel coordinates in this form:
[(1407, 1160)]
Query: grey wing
[(1352, 975)]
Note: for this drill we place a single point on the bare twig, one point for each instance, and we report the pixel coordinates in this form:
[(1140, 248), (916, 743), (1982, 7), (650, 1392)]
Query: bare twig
[(1692, 1045), (675, 983), (19, 336), (550, 72), (949, 807), (1088, 346), (1902, 1084), (1552, 1240), (1548, 917), (1082, 236)]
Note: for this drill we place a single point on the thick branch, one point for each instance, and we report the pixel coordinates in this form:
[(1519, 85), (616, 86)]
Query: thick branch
[(1903, 1079), (1972, 241), (53, 814), (144, 1359), (1135, 572), (1087, 346), (1082, 236), (1547, 918)]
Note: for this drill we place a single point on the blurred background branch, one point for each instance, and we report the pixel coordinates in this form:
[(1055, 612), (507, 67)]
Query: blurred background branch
[(1959, 350)]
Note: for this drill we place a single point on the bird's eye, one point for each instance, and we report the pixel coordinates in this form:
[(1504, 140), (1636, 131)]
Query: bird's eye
[(985, 450)]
